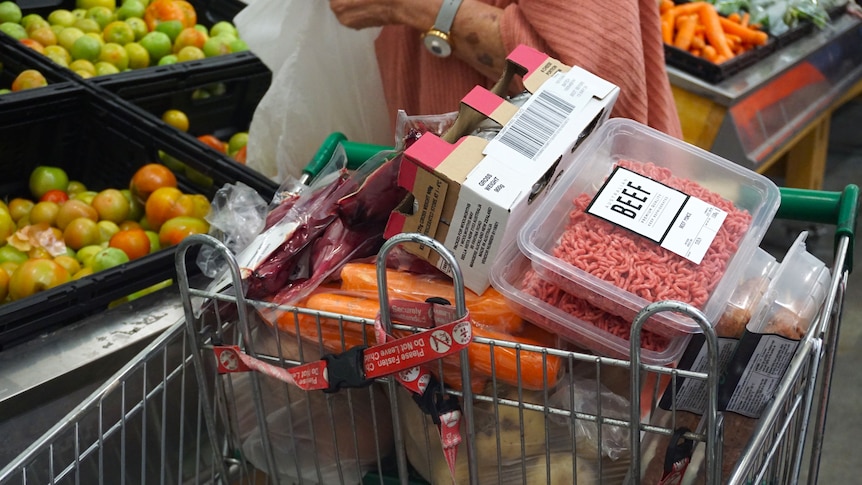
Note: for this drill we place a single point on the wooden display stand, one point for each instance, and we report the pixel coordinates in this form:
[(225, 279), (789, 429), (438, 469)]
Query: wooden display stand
[(774, 117)]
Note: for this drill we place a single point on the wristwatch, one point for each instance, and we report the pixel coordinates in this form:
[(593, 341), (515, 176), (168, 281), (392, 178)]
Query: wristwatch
[(437, 38)]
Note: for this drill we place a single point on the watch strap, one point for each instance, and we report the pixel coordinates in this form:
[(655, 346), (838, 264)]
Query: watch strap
[(446, 15)]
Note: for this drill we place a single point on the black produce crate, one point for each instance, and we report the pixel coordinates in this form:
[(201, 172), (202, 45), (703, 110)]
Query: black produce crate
[(711, 72), (100, 143), (16, 58), (219, 97), (209, 12)]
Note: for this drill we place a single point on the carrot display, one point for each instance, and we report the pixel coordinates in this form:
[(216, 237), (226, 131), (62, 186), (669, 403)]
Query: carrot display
[(489, 309), (712, 37)]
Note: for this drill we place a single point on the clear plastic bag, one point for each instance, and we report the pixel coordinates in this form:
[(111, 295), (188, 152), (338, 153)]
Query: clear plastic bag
[(311, 434), (325, 79)]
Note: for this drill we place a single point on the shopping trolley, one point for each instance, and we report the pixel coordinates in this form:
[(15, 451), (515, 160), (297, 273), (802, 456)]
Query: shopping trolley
[(169, 416)]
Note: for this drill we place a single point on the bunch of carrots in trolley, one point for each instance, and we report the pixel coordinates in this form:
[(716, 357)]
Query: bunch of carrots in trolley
[(697, 28)]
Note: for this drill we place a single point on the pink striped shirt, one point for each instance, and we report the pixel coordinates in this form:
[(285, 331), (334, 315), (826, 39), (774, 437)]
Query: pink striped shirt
[(618, 40)]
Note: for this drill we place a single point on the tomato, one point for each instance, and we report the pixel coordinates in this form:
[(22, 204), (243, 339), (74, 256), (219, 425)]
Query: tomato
[(159, 206), (178, 228), (54, 195), (111, 205), (150, 177), (240, 155), (163, 10), (134, 242), (35, 275), (169, 202), (214, 143)]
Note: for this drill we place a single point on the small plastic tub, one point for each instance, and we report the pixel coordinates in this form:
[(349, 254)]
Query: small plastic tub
[(642, 217), (512, 275)]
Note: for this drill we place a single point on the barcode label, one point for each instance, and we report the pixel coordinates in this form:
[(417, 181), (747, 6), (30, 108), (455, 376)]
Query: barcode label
[(536, 124)]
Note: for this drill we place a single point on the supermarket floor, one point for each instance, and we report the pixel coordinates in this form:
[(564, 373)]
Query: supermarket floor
[(840, 456)]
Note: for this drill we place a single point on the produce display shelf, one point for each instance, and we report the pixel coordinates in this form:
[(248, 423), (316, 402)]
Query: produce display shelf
[(101, 143)]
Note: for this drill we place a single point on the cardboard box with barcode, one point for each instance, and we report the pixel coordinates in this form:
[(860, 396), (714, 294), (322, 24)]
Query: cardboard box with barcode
[(470, 193)]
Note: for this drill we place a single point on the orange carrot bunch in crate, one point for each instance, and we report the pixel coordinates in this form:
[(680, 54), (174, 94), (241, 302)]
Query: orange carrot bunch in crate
[(697, 28)]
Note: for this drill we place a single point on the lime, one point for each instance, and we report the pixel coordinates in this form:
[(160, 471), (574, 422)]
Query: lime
[(68, 36), (10, 12), (131, 8), (35, 23), (58, 54), (83, 65), (88, 25), (223, 27), (177, 119), (86, 47), (139, 27), (106, 68), (217, 46), (88, 4), (102, 15), (16, 31), (170, 27), (114, 54), (139, 58), (108, 258), (190, 53), (31, 18), (158, 44), (237, 141), (62, 17), (168, 59), (118, 32), (238, 45)]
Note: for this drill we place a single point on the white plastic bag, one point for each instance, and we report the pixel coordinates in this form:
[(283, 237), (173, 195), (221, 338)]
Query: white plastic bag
[(325, 79)]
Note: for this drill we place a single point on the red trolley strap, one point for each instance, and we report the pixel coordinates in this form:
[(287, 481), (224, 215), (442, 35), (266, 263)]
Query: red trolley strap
[(359, 366)]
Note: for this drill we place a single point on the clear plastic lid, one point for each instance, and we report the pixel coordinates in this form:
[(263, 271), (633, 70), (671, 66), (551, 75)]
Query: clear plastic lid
[(746, 296), (575, 321), (642, 217), (795, 294)]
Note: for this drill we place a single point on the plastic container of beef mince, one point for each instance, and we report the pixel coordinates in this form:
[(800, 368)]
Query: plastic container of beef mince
[(682, 202), (508, 277)]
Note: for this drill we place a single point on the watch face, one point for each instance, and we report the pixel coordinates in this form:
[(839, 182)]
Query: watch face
[(437, 44)]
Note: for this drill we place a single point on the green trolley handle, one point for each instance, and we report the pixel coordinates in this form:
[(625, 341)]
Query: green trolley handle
[(836, 208)]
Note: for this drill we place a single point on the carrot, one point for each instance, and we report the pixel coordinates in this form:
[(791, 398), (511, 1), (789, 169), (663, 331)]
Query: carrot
[(489, 309), (665, 5), (698, 42), (745, 19), (685, 31), (734, 17), (708, 52), (746, 34), (667, 27), (714, 32), (505, 360), (690, 8)]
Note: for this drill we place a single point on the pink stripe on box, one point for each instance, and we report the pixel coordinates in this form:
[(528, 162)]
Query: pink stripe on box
[(429, 151), (482, 100), (527, 57), (407, 175)]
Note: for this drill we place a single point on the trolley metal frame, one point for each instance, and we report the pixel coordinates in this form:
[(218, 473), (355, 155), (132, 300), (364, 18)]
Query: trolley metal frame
[(167, 417)]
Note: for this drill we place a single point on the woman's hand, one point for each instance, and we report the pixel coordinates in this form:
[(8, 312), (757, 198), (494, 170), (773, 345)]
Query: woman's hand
[(360, 14)]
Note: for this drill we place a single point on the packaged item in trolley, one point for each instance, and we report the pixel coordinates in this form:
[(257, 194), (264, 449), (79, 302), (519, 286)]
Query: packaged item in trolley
[(575, 320), (784, 300), (642, 217), (472, 194)]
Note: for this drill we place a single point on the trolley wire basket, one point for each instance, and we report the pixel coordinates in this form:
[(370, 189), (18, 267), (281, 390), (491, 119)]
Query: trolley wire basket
[(170, 415)]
